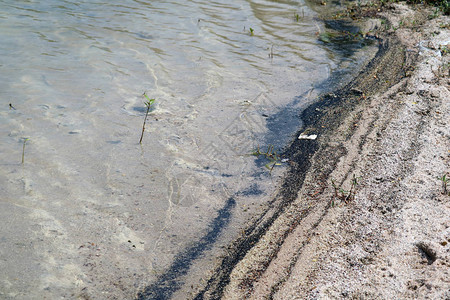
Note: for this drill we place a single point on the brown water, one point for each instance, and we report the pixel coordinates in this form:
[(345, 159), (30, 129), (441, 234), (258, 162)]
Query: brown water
[(91, 211)]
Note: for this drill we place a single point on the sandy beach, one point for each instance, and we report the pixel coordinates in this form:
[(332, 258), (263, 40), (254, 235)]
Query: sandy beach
[(349, 201), (362, 211)]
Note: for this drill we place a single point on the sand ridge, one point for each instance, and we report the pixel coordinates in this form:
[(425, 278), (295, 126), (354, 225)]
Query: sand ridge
[(389, 129)]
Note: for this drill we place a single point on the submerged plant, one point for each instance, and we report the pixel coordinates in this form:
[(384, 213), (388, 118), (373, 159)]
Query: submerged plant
[(271, 155), (147, 103), (271, 52), (23, 149)]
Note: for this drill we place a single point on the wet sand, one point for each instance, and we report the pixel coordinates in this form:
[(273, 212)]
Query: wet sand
[(387, 131)]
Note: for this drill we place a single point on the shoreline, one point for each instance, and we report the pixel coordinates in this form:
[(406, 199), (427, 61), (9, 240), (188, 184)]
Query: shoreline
[(379, 127)]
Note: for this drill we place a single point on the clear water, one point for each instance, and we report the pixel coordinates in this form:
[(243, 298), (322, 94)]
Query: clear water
[(91, 211)]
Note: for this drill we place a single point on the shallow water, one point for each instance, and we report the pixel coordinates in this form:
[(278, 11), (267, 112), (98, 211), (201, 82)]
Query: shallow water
[(89, 202)]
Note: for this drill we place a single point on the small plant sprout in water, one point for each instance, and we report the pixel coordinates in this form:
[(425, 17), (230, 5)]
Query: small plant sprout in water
[(251, 31), (271, 53), (271, 155), (445, 181), (147, 103), (23, 149), (296, 16)]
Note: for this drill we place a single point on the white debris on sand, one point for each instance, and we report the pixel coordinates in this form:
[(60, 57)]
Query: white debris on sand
[(307, 137)]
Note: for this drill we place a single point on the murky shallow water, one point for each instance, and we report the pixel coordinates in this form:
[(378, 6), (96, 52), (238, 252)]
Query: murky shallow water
[(91, 210)]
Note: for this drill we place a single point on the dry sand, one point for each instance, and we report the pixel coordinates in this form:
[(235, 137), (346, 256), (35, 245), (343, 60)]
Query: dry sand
[(391, 131)]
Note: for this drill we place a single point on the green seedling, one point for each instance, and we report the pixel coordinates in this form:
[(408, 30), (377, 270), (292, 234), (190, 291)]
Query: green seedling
[(352, 191), (445, 181), (337, 190), (296, 16), (251, 31), (23, 149), (271, 155), (434, 15), (147, 103), (342, 194)]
